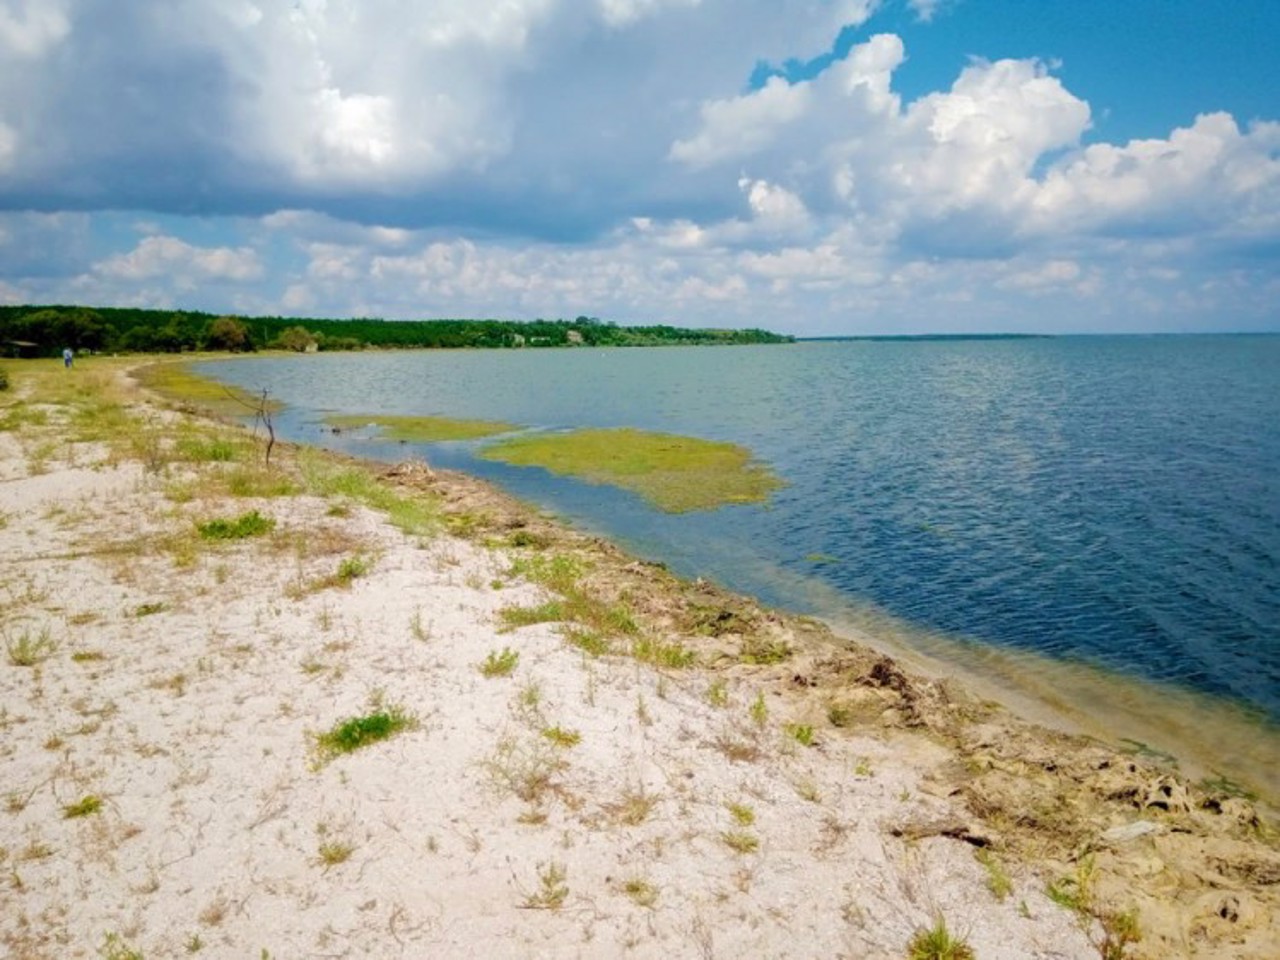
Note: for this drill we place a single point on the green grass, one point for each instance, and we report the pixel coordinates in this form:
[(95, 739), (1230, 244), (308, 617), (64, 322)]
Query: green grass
[(938, 943), (673, 655), (83, 807), (251, 524), (29, 649), (421, 429), (675, 474), (998, 881), (416, 515), (561, 736), (350, 735), (739, 841), (499, 664), (177, 382), (802, 733)]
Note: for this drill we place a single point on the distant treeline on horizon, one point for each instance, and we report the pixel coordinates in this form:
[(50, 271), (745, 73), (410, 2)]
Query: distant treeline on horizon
[(47, 330)]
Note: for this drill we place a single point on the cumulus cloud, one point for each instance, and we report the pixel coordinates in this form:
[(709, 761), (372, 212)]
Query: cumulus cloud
[(164, 256), (612, 157)]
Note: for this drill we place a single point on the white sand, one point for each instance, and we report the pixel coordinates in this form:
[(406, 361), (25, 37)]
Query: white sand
[(196, 730)]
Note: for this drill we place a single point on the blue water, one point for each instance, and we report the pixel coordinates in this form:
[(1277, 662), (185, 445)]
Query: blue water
[(1108, 500)]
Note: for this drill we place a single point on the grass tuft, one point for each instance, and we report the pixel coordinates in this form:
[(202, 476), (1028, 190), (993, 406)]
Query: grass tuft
[(552, 890), (83, 807), (251, 524), (29, 649), (356, 732), (938, 943), (499, 663)]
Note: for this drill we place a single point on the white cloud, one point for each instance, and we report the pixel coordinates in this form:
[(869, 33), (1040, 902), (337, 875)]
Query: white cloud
[(926, 10), (740, 126), (30, 28), (165, 256)]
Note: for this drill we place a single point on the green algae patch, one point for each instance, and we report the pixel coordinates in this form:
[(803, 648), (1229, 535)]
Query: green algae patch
[(676, 474), (176, 381), (421, 429)]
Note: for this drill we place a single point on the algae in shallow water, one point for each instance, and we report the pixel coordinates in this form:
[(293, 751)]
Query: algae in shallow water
[(674, 473), (420, 429), (176, 381)]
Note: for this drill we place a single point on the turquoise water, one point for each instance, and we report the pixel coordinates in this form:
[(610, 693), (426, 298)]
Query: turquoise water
[(1112, 501)]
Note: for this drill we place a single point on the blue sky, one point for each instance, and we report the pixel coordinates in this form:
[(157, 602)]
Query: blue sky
[(813, 166)]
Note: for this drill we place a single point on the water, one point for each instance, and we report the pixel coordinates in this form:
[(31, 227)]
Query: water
[(1111, 502)]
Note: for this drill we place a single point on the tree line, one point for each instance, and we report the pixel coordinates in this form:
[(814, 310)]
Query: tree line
[(47, 330)]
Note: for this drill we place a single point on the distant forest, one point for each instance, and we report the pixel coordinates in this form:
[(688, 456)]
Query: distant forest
[(47, 330)]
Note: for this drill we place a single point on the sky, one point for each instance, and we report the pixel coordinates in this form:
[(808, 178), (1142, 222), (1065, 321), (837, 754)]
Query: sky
[(816, 167)]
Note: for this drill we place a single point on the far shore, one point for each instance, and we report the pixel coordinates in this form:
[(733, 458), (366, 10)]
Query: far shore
[(331, 707)]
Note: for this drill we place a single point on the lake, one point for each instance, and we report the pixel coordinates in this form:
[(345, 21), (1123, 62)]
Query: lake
[(1110, 503)]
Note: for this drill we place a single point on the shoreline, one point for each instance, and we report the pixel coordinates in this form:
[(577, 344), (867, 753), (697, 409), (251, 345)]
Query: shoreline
[(1126, 711), (871, 791)]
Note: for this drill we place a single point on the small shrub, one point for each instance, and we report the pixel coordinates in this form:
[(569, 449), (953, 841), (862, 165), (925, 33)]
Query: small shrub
[(759, 710), (334, 852), (802, 733), (718, 694), (251, 524), (357, 732), (82, 808), (552, 890), (499, 664), (937, 943), (562, 737), (29, 649), (642, 892), (739, 841), (741, 813), (352, 568)]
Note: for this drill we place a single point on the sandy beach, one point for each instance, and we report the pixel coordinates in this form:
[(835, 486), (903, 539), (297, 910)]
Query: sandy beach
[(399, 714)]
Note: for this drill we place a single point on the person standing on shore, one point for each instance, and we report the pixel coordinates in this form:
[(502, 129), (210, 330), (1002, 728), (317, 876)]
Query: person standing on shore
[(67, 357)]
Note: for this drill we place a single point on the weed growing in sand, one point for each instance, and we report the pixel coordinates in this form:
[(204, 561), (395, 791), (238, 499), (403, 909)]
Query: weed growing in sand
[(1119, 930), (148, 609), (718, 694), (741, 813), (415, 515), (633, 807), (739, 841), (759, 710), (499, 663), (762, 652), (333, 852), (29, 649), (356, 732), (642, 892), (552, 890), (1075, 892), (527, 771), (115, 948), (938, 943), (998, 881), (421, 632), (863, 768), (194, 944), (589, 641), (352, 568), (673, 655), (562, 737), (517, 616), (801, 733), (251, 524), (84, 807)]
